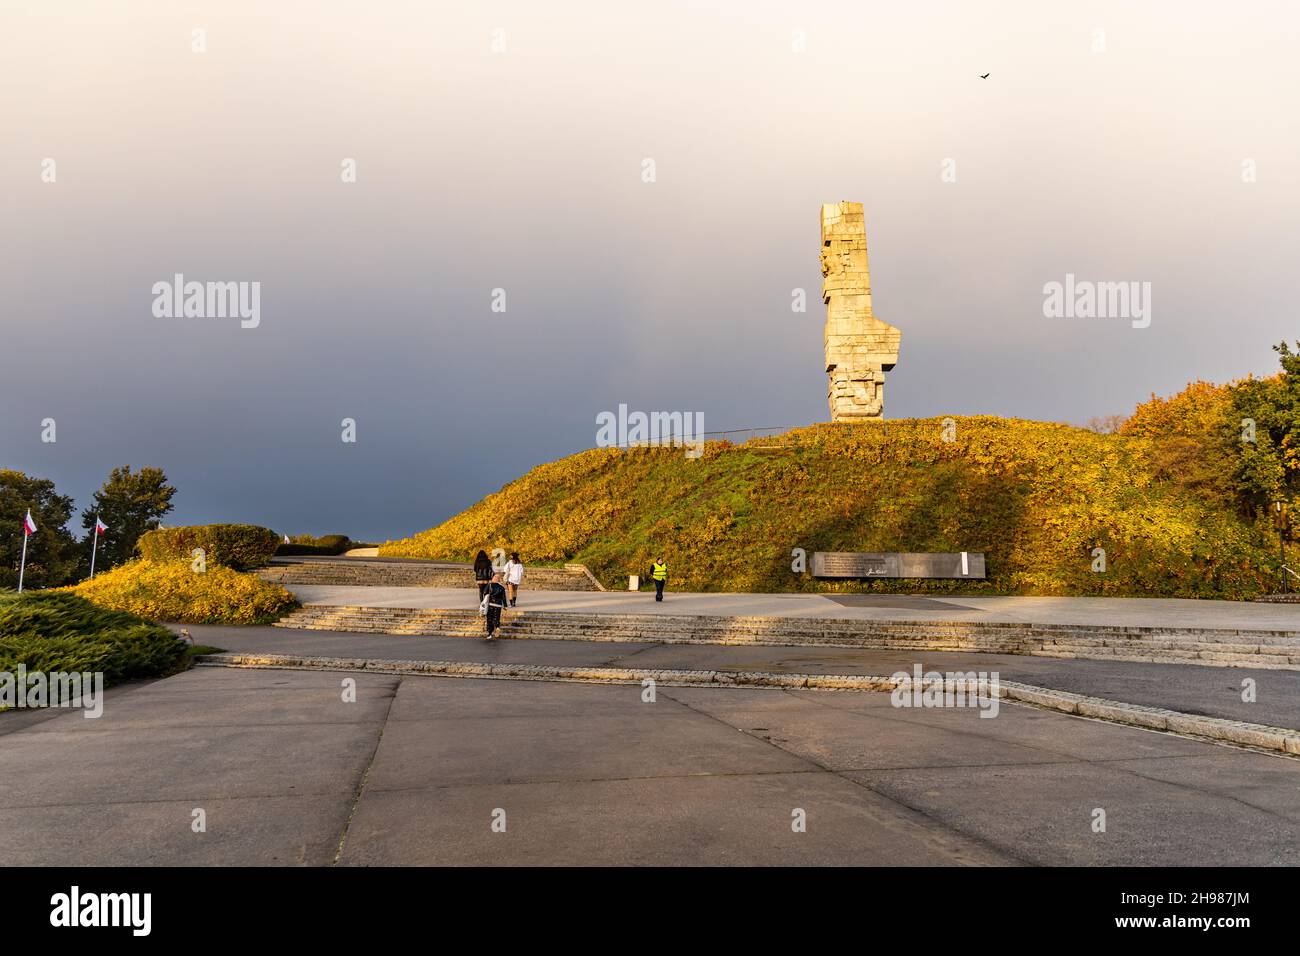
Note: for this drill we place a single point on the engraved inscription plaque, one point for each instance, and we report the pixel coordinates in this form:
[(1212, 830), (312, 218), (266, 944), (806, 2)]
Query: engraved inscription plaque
[(958, 565), (845, 564)]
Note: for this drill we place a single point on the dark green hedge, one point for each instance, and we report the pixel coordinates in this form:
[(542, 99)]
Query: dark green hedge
[(237, 546), (58, 631), (327, 544)]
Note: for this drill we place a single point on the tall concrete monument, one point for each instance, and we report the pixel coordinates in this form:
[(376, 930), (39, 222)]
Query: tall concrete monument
[(860, 348)]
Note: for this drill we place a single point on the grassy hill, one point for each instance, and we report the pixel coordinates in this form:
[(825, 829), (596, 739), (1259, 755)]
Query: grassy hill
[(1035, 497)]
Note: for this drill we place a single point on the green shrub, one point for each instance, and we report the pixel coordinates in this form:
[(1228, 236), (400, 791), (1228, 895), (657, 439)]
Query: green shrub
[(60, 631), (285, 550), (329, 544), (237, 546)]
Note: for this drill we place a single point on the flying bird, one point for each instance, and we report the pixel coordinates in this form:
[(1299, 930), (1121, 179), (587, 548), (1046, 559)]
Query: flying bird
[(984, 76)]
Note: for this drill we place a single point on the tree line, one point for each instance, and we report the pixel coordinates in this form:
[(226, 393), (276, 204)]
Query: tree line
[(129, 503)]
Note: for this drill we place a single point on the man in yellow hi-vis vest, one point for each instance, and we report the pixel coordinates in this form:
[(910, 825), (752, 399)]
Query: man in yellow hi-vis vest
[(659, 574)]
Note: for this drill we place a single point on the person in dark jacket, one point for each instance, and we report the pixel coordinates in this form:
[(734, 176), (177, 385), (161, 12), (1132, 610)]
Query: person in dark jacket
[(482, 573), (496, 600)]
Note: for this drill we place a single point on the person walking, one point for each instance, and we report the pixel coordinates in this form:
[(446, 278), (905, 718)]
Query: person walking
[(495, 599), (482, 573), (514, 577), (659, 574)]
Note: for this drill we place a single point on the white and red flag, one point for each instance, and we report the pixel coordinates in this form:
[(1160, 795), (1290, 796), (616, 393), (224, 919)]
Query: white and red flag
[(29, 529), (100, 527)]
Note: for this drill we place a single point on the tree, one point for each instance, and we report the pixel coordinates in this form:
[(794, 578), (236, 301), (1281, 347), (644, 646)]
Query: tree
[(1190, 441), (1268, 469), (1197, 412), (51, 551), (130, 504), (1106, 424)]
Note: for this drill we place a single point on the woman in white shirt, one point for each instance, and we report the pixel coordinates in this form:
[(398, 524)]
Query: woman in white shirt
[(514, 577)]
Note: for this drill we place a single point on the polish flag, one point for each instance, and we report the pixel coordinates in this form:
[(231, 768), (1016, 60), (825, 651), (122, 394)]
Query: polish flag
[(29, 526), (100, 527), (286, 540)]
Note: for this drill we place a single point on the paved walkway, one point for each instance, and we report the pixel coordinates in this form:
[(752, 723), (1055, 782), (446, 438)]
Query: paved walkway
[(1137, 612), (415, 770), (1188, 688)]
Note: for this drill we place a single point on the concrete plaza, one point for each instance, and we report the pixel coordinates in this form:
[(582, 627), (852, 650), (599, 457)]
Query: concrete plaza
[(416, 769), (286, 770), (1188, 688)]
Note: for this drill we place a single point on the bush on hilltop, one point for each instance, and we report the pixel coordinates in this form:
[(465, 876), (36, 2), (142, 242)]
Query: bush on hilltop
[(238, 546)]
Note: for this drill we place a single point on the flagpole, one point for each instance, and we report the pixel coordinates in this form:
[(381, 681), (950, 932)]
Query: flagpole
[(23, 566), (94, 546)]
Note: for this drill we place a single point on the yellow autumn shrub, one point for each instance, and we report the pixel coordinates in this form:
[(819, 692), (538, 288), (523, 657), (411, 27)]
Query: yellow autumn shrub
[(1198, 411), (171, 591)]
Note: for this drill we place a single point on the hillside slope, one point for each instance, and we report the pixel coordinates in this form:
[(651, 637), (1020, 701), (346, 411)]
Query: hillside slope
[(1035, 497)]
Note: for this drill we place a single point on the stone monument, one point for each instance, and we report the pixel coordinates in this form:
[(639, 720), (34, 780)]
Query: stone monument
[(860, 348)]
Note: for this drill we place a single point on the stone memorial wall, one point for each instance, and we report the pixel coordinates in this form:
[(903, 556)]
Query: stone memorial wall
[(898, 564)]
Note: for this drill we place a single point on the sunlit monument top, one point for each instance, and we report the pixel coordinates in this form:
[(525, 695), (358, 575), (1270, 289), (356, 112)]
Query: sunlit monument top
[(860, 348)]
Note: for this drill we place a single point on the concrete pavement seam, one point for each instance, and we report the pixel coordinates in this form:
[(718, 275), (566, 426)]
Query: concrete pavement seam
[(1278, 739), (365, 776), (915, 811)]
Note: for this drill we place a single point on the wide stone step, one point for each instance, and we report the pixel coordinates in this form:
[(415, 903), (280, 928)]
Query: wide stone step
[(1097, 636), (358, 573), (1272, 649), (574, 621)]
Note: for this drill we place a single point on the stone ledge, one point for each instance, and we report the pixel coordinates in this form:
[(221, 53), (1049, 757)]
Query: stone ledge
[(1215, 729), (1291, 597), (583, 569)]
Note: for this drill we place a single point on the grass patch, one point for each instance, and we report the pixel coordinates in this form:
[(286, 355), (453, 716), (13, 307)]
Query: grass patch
[(1035, 497)]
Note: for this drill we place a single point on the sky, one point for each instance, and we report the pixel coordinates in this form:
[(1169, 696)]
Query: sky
[(508, 146)]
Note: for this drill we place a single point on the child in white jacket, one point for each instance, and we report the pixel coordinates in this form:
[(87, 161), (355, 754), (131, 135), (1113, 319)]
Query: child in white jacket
[(514, 577)]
